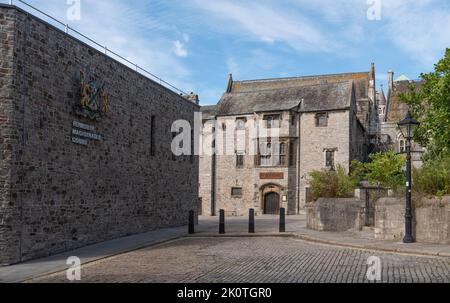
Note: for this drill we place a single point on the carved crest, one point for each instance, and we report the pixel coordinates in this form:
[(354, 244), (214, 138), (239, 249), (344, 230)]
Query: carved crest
[(94, 102)]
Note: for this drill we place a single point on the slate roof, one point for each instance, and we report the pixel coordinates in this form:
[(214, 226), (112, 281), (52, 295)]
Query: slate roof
[(397, 110), (208, 111), (316, 97)]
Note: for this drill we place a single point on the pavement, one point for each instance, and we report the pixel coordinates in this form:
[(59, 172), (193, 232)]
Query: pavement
[(266, 226)]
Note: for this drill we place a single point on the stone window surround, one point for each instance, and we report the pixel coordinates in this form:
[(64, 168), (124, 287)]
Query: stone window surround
[(237, 194), (288, 142), (320, 115), (272, 118), (325, 151)]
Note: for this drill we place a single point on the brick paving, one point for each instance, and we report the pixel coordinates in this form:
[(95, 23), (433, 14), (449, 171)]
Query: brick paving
[(256, 260)]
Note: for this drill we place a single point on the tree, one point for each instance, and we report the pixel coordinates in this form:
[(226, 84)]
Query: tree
[(431, 106)]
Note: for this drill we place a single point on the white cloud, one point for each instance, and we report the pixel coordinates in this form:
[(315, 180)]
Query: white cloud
[(420, 28), (179, 49), (264, 21), (186, 38), (124, 27)]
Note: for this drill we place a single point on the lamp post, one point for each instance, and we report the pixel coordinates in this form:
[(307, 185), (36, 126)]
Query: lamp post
[(408, 127)]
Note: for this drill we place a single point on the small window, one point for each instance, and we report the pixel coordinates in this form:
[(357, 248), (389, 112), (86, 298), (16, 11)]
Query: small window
[(322, 120), (236, 192), (293, 119), (283, 154), (239, 160), (272, 121), (329, 158)]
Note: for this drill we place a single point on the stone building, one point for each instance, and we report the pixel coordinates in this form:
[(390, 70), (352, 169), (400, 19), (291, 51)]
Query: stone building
[(85, 145), (392, 111), (321, 122)]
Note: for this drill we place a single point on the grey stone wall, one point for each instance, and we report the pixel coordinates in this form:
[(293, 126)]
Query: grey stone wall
[(431, 220), (57, 195), (334, 214)]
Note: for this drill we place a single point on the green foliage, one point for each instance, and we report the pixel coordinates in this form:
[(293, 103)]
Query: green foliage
[(386, 169), (433, 178), (431, 106), (332, 184)]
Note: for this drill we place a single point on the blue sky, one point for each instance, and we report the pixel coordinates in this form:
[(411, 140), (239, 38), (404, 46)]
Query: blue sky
[(194, 44)]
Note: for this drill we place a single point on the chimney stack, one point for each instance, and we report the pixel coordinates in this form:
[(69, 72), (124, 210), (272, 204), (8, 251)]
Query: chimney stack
[(391, 80), (192, 97)]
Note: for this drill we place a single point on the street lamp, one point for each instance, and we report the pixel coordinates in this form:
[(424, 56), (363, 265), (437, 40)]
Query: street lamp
[(408, 127)]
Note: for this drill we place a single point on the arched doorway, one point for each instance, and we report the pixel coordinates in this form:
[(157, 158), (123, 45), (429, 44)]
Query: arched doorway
[(272, 203)]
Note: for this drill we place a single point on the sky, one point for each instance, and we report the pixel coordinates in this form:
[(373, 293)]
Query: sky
[(195, 44)]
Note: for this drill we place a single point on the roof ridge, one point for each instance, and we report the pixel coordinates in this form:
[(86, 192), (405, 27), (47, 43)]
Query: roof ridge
[(299, 77), (296, 87)]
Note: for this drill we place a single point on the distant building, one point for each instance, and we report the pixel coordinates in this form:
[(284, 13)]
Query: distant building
[(392, 111), (323, 121)]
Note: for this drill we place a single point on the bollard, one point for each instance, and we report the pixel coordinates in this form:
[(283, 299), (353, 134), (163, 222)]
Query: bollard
[(222, 222), (251, 222), (191, 222), (282, 220)]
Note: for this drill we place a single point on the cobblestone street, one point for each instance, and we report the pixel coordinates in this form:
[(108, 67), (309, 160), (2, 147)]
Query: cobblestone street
[(259, 260)]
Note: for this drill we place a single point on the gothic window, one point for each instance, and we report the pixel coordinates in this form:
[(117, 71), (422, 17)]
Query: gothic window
[(322, 120), (239, 160), (329, 158), (272, 121), (283, 154), (265, 152), (274, 155)]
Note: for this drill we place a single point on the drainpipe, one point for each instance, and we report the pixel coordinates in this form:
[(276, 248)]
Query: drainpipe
[(298, 162), (213, 172)]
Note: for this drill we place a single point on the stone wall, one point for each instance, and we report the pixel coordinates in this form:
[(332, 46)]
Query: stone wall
[(334, 214), (314, 140), (431, 220), (57, 195)]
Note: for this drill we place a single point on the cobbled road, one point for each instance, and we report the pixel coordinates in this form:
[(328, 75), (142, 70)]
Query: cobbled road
[(259, 260)]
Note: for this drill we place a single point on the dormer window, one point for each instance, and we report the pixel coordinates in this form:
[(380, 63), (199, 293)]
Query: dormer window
[(321, 120)]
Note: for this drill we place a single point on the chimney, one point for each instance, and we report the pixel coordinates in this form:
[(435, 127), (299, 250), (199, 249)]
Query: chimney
[(192, 97), (372, 85), (230, 83), (390, 81)]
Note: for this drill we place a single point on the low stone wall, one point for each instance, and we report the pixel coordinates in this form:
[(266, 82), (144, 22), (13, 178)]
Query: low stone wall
[(431, 220), (333, 214)]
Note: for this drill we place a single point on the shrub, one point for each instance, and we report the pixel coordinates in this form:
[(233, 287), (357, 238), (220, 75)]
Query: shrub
[(433, 178), (332, 184), (385, 169)]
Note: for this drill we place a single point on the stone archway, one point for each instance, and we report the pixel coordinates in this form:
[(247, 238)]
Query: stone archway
[(271, 199)]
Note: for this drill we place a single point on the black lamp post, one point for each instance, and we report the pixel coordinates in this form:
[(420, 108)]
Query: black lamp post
[(408, 127)]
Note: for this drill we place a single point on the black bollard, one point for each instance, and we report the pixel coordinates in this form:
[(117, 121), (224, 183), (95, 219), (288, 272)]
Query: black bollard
[(222, 222), (251, 222), (191, 222), (282, 220)]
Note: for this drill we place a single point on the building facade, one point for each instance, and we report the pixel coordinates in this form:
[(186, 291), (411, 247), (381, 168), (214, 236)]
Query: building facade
[(392, 111), (85, 145), (320, 122)]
